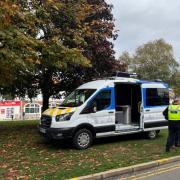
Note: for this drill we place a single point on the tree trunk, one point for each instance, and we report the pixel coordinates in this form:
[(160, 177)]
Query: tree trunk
[(45, 101), (45, 88)]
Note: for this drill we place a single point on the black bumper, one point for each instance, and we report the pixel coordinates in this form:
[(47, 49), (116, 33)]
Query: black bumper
[(56, 133)]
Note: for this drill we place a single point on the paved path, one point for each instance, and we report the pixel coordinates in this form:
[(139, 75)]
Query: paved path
[(165, 172)]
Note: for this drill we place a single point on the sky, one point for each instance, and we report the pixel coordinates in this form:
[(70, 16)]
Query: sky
[(141, 21)]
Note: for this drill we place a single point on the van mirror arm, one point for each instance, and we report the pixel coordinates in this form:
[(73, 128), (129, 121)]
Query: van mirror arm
[(94, 107)]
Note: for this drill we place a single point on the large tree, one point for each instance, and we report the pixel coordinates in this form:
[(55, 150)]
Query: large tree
[(47, 46), (63, 31), (32, 48), (155, 60)]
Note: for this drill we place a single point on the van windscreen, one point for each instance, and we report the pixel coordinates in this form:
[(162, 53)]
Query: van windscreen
[(77, 97)]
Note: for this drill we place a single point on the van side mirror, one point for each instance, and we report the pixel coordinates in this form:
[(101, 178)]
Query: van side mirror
[(90, 108), (94, 108)]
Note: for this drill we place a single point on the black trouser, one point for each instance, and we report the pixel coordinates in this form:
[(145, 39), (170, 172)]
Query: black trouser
[(174, 135)]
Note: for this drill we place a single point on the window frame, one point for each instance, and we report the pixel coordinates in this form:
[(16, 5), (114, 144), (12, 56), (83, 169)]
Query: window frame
[(33, 106), (93, 98), (146, 103)]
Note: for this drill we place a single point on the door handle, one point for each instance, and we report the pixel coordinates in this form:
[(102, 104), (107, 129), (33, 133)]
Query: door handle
[(111, 112), (147, 110)]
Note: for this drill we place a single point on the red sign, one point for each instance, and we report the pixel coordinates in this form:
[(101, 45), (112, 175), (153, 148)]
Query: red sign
[(2, 111), (10, 103)]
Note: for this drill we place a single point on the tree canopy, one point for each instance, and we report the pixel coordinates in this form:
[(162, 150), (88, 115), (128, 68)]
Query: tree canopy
[(154, 60), (125, 60), (53, 45)]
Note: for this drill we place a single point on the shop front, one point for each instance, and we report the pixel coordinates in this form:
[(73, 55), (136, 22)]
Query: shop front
[(10, 110)]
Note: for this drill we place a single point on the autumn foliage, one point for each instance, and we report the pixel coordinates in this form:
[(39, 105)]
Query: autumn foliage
[(43, 44)]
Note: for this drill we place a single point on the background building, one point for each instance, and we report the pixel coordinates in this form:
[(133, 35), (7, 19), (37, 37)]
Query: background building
[(24, 109)]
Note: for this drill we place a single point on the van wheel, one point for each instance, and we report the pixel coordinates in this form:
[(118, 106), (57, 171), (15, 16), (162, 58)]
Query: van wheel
[(82, 139), (151, 134)]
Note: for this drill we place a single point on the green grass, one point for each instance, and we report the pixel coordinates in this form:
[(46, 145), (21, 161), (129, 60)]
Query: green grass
[(26, 155)]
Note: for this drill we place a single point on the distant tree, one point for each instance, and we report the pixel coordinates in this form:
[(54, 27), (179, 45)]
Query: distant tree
[(155, 60), (176, 83), (125, 60)]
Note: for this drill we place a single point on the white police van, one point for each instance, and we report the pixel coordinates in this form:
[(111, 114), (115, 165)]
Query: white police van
[(108, 107)]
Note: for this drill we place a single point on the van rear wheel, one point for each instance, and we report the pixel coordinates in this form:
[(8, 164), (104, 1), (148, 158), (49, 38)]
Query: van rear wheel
[(151, 134), (82, 139)]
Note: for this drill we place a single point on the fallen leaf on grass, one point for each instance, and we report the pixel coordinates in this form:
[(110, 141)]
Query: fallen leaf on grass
[(22, 178), (11, 174), (2, 165)]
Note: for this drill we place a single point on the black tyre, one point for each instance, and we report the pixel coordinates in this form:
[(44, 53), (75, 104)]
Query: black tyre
[(82, 139), (151, 134)]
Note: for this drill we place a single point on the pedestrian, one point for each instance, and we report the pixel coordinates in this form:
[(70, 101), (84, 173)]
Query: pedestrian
[(23, 115), (172, 114)]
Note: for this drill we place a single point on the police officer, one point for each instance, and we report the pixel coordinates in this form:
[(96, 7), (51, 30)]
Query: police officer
[(172, 114)]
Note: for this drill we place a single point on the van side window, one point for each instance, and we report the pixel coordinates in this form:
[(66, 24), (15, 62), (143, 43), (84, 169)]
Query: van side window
[(157, 97), (101, 102)]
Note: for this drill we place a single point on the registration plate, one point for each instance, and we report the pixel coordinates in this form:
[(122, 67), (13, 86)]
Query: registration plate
[(42, 130)]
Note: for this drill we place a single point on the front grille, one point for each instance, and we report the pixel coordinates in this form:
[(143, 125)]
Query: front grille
[(46, 121)]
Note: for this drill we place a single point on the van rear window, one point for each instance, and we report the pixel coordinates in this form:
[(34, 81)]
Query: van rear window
[(157, 97)]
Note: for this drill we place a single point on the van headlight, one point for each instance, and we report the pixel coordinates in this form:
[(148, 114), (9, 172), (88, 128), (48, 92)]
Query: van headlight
[(64, 117)]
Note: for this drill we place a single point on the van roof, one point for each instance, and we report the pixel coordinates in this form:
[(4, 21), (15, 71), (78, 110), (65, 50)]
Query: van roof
[(109, 82)]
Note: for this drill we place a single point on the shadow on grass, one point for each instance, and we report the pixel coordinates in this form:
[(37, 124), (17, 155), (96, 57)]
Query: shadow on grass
[(120, 138), (66, 144), (63, 144), (22, 129)]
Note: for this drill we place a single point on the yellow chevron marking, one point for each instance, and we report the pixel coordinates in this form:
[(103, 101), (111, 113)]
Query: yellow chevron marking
[(45, 111), (55, 112), (59, 112), (68, 110), (52, 111)]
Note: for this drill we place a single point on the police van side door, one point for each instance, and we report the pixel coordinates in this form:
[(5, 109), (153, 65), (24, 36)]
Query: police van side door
[(101, 112), (155, 98)]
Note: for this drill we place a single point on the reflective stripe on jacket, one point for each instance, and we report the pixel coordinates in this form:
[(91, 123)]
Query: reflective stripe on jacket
[(174, 112)]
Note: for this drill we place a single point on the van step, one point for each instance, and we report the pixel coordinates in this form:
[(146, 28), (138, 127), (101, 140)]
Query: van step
[(127, 130), (126, 126)]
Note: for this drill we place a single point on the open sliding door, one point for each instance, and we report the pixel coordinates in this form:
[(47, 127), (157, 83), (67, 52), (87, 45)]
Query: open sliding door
[(155, 100)]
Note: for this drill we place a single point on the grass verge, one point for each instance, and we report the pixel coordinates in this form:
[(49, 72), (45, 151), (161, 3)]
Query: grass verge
[(26, 155)]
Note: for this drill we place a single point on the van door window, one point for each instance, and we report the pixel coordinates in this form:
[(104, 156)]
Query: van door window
[(103, 100), (100, 102), (157, 97)]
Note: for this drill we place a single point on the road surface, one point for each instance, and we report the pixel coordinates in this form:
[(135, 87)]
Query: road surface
[(165, 172)]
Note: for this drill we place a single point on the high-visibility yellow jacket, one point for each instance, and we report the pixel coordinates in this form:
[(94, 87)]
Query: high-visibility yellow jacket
[(174, 112)]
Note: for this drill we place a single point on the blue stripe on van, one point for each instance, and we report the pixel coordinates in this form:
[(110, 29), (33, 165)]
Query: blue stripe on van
[(112, 98)]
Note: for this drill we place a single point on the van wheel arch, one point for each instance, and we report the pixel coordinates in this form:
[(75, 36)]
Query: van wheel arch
[(85, 126), (151, 134)]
